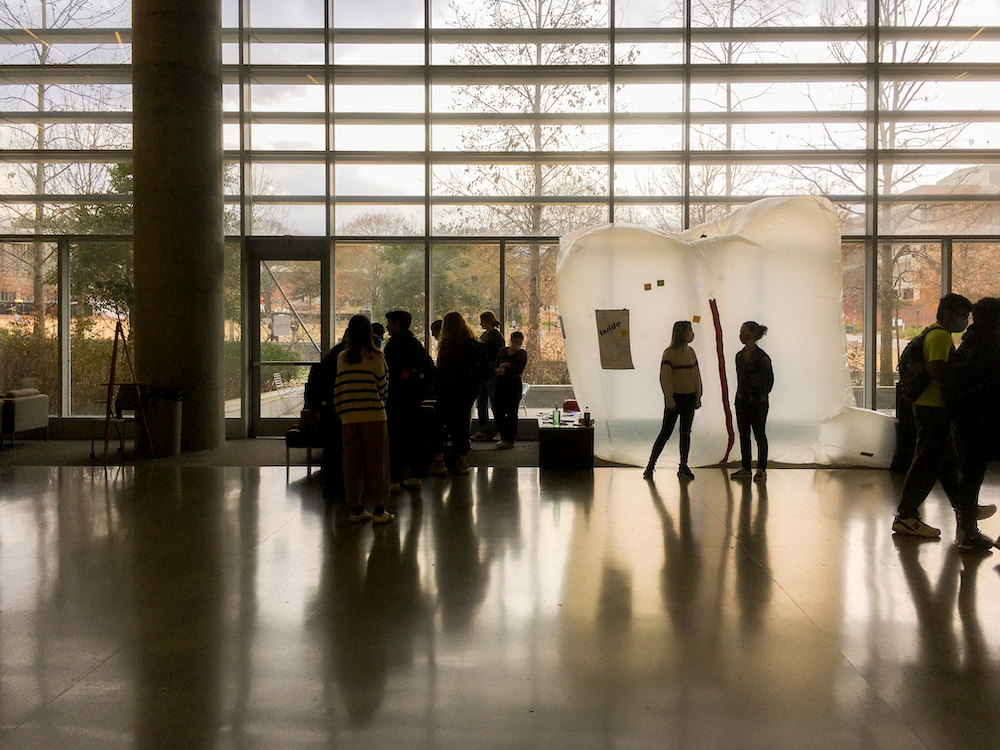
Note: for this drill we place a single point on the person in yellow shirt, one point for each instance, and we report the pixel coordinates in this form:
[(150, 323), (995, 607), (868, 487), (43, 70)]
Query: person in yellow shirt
[(934, 458)]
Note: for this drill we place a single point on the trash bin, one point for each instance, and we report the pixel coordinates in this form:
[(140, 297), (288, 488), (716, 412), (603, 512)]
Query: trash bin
[(163, 413)]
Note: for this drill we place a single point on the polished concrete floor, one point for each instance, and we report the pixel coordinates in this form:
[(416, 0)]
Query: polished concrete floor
[(165, 606)]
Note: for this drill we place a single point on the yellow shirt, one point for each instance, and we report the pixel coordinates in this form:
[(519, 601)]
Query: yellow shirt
[(938, 346)]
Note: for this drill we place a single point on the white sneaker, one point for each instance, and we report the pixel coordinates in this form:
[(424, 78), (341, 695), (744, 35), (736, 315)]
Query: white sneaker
[(361, 517), (504, 445), (914, 527), (383, 517), (437, 469)]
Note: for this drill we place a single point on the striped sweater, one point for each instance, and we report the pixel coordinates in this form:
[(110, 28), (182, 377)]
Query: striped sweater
[(679, 372), (360, 390)]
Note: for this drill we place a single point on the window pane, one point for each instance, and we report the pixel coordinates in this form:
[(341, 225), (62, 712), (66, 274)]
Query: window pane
[(402, 14), (262, 53), (29, 345), (908, 289), (465, 278), (379, 179), (373, 279), (975, 269), (375, 220), (234, 366), (273, 218), (853, 264), (531, 309), (957, 217), (667, 137), (648, 14), (299, 14), (516, 219), (378, 54), (266, 137), (712, 14), (472, 15), (288, 179), (666, 216), (289, 332), (307, 97), (368, 137)]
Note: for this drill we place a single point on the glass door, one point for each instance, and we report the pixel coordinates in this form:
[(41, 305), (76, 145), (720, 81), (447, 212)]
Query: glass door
[(291, 279)]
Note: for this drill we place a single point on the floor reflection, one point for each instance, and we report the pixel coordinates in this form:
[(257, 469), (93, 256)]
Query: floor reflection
[(202, 607)]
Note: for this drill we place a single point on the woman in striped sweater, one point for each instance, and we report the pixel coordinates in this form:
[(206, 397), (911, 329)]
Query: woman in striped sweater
[(359, 394), (680, 380)]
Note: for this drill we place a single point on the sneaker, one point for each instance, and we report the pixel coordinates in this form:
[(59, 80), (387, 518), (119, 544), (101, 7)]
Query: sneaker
[(985, 511), (741, 474), (967, 542), (914, 527), (760, 476), (479, 436), (685, 473), (438, 469), (504, 445), (462, 467), (361, 517), (411, 483), (394, 488), (383, 517)]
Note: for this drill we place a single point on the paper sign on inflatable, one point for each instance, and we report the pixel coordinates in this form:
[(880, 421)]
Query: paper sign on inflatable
[(775, 261)]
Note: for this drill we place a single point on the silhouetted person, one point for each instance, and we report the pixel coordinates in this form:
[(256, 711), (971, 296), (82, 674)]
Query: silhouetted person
[(754, 380), (411, 372), (934, 457), (510, 364), (359, 396), (492, 339), (680, 380), (971, 395)]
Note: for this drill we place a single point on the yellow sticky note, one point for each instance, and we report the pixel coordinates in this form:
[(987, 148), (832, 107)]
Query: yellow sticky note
[(696, 319)]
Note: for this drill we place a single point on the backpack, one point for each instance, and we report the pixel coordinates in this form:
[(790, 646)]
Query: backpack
[(913, 375)]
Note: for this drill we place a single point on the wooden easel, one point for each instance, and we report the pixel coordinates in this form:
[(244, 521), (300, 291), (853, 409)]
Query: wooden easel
[(112, 383)]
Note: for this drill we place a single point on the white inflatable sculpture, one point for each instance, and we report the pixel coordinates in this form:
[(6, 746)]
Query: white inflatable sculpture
[(776, 261)]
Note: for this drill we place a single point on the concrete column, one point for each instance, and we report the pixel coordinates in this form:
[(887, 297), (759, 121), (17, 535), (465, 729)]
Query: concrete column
[(177, 167)]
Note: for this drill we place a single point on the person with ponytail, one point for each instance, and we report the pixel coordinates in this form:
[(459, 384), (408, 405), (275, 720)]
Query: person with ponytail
[(754, 380)]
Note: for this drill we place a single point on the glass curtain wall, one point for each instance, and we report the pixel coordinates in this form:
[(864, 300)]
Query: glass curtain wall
[(445, 147)]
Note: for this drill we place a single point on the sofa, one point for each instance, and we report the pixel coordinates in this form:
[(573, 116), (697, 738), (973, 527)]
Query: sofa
[(23, 410)]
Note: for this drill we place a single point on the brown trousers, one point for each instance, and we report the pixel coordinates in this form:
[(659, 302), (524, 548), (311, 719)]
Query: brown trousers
[(366, 462)]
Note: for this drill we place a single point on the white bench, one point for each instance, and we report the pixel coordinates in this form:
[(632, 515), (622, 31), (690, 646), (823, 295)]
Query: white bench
[(23, 410)]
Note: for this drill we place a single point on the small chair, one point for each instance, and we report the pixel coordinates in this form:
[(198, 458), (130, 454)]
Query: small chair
[(525, 387), (306, 434)]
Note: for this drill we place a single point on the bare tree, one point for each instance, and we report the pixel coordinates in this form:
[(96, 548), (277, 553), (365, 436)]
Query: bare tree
[(527, 218), (897, 261), (42, 178)]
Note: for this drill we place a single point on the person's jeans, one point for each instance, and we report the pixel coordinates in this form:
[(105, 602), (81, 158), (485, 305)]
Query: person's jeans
[(975, 451), (454, 413), (684, 403), (506, 401), (485, 399), (752, 416), (934, 459)]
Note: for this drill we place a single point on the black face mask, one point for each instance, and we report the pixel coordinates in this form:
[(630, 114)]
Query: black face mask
[(959, 325)]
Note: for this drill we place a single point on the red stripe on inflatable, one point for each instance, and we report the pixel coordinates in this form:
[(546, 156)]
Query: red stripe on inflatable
[(721, 355)]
